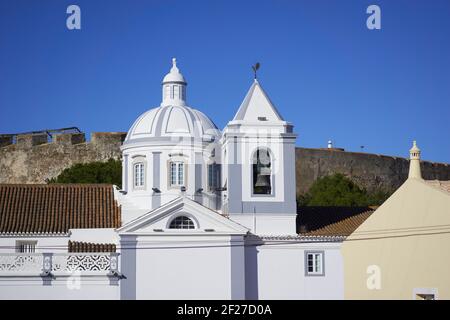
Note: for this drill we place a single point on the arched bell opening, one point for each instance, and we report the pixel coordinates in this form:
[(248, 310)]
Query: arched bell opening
[(262, 172)]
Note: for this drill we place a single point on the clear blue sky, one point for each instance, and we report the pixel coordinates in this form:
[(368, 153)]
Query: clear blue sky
[(324, 70)]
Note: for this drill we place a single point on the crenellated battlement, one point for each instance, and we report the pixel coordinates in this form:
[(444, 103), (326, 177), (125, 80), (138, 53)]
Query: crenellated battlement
[(29, 140), (38, 156)]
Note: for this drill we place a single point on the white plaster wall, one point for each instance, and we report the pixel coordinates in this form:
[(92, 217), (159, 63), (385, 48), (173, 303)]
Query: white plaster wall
[(274, 224), (94, 235), (142, 197), (277, 271), (57, 244), (185, 267), (44, 243), (63, 288)]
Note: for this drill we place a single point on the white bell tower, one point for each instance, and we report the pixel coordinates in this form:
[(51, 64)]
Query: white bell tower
[(258, 152)]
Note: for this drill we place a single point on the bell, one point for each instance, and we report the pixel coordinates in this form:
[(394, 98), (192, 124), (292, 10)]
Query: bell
[(264, 171), (262, 181), (264, 158)]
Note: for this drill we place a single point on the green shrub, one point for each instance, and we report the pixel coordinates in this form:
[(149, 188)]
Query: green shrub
[(338, 190), (93, 172)]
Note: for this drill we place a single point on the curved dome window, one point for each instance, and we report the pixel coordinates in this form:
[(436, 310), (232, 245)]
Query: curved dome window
[(182, 222), (262, 172)]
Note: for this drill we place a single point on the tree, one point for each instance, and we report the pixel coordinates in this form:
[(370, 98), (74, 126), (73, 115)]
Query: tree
[(93, 172), (338, 190)]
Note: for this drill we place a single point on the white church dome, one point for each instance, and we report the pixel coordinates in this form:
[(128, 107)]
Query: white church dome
[(173, 121), (173, 118)]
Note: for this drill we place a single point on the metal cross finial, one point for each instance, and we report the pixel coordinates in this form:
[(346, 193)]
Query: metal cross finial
[(255, 68)]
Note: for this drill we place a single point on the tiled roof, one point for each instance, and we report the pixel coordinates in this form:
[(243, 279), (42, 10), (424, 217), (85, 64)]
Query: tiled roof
[(56, 208), (331, 221), (443, 185), (75, 246), (302, 238)]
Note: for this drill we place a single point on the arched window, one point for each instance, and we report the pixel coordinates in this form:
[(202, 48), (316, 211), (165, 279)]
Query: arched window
[(176, 173), (139, 174), (182, 222), (262, 172)]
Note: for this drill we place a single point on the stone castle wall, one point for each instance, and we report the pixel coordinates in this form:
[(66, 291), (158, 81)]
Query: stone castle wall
[(34, 159), (371, 171)]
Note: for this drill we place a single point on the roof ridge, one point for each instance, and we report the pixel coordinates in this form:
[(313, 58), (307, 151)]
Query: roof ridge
[(30, 185)]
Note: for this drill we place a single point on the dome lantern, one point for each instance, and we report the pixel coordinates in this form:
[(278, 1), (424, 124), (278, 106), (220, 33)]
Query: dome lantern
[(174, 87)]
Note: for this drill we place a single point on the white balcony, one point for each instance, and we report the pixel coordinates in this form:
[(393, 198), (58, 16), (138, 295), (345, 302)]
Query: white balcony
[(58, 264)]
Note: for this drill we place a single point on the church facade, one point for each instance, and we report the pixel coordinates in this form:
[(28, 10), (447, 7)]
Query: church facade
[(202, 214)]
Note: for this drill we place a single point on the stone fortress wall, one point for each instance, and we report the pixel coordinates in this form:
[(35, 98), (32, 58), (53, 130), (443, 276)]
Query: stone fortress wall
[(371, 171), (33, 158)]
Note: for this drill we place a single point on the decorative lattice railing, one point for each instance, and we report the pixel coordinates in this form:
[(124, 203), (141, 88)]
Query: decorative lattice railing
[(58, 263)]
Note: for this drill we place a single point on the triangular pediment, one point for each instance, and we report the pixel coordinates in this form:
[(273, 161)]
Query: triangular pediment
[(257, 106), (204, 219)]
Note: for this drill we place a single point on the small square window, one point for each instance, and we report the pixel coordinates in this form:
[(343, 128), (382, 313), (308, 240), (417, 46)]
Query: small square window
[(425, 297), (314, 263), (26, 246), (425, 294)]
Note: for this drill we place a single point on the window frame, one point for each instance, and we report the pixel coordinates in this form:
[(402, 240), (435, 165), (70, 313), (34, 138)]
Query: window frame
[(178, 164), (272, 176), (182, 216), (142, 174), (308, 273), (213, 180), (422, 293)]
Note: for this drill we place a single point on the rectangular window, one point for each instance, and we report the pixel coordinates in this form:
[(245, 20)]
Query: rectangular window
[(177, 173), (314, 263), (425, 297), (180, 174), (425, 293), (213, 176), (26, 246), (166, 92), (173, 173), (210, 176), (139, 175)]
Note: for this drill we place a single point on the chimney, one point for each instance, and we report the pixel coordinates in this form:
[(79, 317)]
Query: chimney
[(414, 162)]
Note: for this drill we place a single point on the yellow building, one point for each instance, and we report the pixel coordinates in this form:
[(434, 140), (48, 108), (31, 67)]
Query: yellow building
[(402, 251)]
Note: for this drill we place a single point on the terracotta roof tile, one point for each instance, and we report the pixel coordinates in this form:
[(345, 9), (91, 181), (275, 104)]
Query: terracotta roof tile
[(443, 185), (77, 246), (331, 221), (56, 208)]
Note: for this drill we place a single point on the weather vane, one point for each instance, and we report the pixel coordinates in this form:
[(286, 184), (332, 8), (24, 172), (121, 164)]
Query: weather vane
[(256, 67)]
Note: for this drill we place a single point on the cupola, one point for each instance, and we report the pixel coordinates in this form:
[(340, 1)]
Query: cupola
[(174, 87)]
